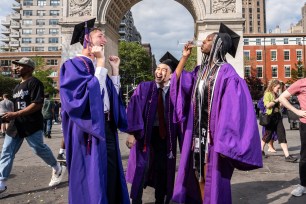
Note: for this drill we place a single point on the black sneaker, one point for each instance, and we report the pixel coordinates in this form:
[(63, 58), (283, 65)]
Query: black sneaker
[(61, 157), (290, 159)]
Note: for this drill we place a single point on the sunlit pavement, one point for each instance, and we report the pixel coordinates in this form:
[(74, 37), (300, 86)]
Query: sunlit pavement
[(273, 183)]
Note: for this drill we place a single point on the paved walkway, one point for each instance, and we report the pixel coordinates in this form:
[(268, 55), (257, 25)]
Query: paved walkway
[(273, 183)]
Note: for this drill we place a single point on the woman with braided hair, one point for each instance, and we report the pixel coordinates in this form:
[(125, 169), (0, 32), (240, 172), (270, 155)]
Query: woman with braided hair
[(215, 110)]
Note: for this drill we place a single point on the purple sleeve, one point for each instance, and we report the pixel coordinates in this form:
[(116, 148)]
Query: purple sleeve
[(81, 98), (236, 135)]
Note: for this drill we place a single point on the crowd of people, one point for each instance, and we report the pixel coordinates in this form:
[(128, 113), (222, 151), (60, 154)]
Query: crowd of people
[(204, 112)]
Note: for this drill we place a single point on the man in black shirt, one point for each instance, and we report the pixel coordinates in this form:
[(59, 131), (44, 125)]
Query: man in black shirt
[(26, 122)]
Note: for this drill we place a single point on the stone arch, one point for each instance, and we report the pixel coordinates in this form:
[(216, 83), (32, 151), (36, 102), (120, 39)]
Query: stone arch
[(207, 15)]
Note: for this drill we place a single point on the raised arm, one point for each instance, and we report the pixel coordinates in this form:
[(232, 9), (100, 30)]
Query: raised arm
[(186, 53)]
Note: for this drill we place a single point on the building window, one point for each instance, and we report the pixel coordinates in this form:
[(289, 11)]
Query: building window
[(39, 49), (6, 63), (258, 10), (40, 31), (53, 40), (259, 55), (53, 22), (27, 22), (54, 13), (25, 49), (247, 71), (258, 41), (28, 2), (27, 13), (40, 22), (287, 71), (274, 72), (41, 12), (299, 55), (286, 41), (273, 55), (298, 41), (26, 40), (27, 31), (286, 55), (53, 31), (40, 40), (52, 48), (246, 55), (41, 2), (246, 41), (52, 62), (54, 2), (259, 72), (273, 41)]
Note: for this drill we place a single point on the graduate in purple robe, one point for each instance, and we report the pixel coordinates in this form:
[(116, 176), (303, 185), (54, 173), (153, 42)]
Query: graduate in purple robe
[(153, 155), (92, 110), (215, 109)]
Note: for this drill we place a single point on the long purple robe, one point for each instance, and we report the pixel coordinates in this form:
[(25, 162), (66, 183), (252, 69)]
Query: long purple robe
[(141, 113), (233, 133), (83, 115)]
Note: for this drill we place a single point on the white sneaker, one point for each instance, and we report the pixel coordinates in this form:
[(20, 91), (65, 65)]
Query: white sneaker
[(299, 190), (57, 176)]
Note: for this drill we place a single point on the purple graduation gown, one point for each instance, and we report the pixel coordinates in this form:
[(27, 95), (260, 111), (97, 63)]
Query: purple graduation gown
[(83, 115), (141, 114), (233, 132)]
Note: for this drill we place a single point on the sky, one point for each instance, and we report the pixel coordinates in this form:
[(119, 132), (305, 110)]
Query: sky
[(163, 23)]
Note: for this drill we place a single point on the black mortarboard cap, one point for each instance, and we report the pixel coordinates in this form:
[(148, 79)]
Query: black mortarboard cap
[(80, 30), (169, 60), (229, 38)]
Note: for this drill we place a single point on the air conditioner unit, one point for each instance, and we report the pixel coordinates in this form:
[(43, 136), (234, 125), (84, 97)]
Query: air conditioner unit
[(273, 59)]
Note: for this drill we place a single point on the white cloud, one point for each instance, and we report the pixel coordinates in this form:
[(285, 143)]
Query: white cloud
[(283, 13)]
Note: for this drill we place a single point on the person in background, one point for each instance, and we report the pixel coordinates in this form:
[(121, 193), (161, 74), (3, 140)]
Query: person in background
[(48, 112), (56, 112), (5, 106), (298, 88), (272, 105), (26, 122)]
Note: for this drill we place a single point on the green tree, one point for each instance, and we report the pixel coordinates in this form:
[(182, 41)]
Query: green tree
[(7, 85), (297, 73), (135, 64), (255, 86), (192, 60), (42, 73)]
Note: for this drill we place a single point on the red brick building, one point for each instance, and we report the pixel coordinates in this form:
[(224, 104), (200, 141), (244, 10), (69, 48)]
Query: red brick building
[(273, 55)]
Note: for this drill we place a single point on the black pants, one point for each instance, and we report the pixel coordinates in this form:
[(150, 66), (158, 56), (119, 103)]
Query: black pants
[(276, 125), (302, 165), (159, 163), (113, 182)]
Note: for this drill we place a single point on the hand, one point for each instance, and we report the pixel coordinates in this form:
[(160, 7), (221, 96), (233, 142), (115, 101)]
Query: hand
[(98, 52), (114, 62), (9, 116), (130, 141), (301, 113), (187, 50)]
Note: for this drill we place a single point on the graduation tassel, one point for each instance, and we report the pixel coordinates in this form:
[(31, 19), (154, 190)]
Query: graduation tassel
[(170, 155), (88, 149), (144, 148)]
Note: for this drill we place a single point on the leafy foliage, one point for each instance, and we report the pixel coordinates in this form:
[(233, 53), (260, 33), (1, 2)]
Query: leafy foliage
[(192, 60), (297, 73), (255, 87), (7, 85), (135, 64)]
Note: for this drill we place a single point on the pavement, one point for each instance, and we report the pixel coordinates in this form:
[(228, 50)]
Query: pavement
[(30, 176)]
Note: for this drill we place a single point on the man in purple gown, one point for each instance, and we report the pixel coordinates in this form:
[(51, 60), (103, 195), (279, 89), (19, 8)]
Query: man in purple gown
[(92, 110), (152, 158), (215, 109)]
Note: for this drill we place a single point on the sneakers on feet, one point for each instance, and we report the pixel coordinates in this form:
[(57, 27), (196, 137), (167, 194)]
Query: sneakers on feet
[(290, 159), (61, 157), (57, 176), (299, 190)]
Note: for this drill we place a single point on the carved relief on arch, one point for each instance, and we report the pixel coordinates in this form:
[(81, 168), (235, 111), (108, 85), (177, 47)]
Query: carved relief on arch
[(80, 8), (224, 6)]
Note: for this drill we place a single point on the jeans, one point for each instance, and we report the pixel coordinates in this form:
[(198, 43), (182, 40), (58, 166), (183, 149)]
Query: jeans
[(47, 126), (302, 165), (11, 146)]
